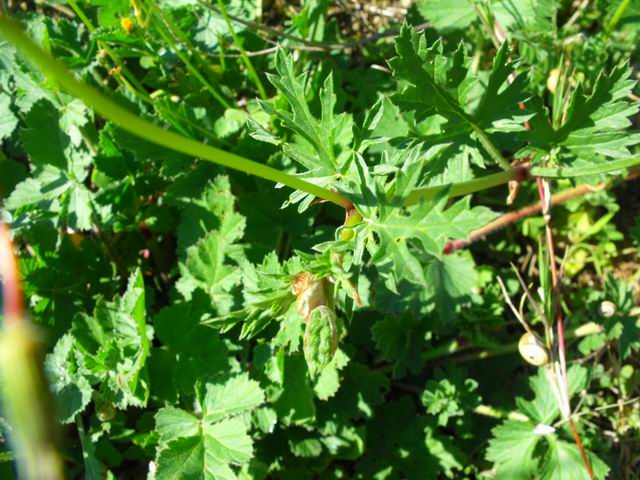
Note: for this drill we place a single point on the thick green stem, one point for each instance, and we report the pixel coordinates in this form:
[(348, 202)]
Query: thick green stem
[(608, 167), (471, 186), (518, 174), (173, 141), (148, 131), (617, 15)]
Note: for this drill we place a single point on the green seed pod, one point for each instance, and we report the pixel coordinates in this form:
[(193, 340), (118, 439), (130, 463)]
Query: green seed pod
[(320, 339)]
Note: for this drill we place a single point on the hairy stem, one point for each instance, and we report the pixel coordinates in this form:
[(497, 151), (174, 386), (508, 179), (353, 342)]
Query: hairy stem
[(489, 146), (173, 141), (149, 131), (607, 167), (511, 217), (519, 173)]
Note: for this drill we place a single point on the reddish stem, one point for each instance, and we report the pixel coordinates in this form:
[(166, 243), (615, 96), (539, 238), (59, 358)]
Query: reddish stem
[(583, 454), (545, 205), (512, 217), (11, 292)]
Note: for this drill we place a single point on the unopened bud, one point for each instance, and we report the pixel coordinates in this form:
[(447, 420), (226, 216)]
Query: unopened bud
[(127, 24)]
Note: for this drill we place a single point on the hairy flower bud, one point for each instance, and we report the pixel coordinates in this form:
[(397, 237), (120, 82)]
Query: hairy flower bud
[(320, 339), (352, 219)]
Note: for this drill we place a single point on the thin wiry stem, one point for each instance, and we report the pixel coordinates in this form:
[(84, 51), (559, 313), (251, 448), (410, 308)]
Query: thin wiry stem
[(175, 31), (252, 71)]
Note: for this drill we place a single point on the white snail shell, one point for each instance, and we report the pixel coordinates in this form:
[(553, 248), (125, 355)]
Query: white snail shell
[(533, 350), (607, 309)]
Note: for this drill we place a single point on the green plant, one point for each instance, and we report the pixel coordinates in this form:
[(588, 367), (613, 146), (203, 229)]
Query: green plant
[(200, 326)]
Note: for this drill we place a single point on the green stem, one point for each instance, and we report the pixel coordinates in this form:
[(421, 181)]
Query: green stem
[(179, 34), (454, 347), (127, 77), (78, 11), (490, 147), (518, 173), (443, 350), (608, 167), (617, 15), (243, 53), (465, 188), (179, 143), (150, 132), (129, 80), (194, 71), (493, 412), (585, 330)]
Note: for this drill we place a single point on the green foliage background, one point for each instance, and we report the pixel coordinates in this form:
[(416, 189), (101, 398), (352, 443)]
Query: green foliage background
[(163, 282)]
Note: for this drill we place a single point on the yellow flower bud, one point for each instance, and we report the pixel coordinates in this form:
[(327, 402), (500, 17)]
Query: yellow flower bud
[(127, 24)]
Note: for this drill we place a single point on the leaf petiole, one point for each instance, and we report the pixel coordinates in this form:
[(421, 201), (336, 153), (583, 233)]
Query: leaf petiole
[(519, 173)]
